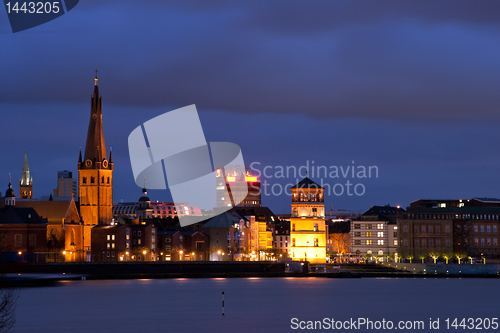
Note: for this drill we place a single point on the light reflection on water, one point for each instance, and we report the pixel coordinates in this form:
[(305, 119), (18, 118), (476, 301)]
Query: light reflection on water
[(251, 305)]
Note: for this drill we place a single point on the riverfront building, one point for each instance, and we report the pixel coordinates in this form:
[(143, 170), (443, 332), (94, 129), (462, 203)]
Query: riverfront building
[(308, 234), (375, 233)]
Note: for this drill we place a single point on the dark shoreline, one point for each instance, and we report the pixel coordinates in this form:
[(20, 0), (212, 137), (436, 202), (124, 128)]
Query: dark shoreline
[(36, 275)]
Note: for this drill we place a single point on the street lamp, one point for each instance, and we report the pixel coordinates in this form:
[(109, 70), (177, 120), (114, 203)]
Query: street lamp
[(218, 255), (307, 248), (180, 254)]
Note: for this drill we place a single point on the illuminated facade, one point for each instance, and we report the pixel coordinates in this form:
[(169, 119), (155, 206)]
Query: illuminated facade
[(307, 224), (237, 184), (375, 233), (26, 181), (160, 210), (95, 172)]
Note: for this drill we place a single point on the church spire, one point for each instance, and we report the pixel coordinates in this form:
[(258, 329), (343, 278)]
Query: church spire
[(26, 182), (95, 150), (26, 179)]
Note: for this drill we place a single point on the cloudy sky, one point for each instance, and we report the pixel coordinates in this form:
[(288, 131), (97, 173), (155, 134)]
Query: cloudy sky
[(409, 87)]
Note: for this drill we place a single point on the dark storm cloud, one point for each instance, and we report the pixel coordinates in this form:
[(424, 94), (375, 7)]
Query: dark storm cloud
[(425, 60)]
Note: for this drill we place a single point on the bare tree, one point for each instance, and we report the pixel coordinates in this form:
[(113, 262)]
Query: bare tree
[(8, 296), (8, 300)]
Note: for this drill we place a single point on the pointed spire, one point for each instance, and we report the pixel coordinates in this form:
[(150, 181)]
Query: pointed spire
[(26, 179), (80, 158), (95, 76), (95, 149)]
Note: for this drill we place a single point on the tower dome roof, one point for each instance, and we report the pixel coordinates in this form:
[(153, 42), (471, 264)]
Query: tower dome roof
[(10, 192), (144, 195)]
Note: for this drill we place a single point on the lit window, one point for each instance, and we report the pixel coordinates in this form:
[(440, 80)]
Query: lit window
[(380, 226), (395, 242), (139, 241), (368, 242), (368, 234), (380, 242), (108, 237), (380, 234), (109, 245)]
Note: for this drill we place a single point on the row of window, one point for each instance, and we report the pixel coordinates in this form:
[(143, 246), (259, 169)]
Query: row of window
[(379, 226), (157, 209), (18, 240), (487, 243), (314, 212), (370, 242), (315, 242), (430, 229), (315, 227), (92, 180), (454, 216), (431, 242), (480, 228), (424, 242)]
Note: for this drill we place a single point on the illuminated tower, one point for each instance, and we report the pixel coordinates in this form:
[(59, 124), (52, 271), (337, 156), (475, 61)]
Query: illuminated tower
[(307, 224), (95, 172), (26, 182)]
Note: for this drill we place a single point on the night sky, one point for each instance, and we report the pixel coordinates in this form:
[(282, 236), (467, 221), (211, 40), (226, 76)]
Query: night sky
[(409, 87)]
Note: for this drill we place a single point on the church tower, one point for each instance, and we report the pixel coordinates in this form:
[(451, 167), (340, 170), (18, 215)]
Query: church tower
[(307, 224), (95, 171), (26, 182)]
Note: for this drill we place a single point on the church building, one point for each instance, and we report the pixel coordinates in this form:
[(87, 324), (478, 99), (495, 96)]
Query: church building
[(95, 171)]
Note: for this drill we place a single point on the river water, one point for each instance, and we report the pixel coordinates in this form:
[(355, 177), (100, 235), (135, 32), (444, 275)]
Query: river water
[(252, 304)]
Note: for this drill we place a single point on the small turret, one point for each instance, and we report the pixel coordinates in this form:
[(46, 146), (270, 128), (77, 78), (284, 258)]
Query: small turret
[(10, 197)]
